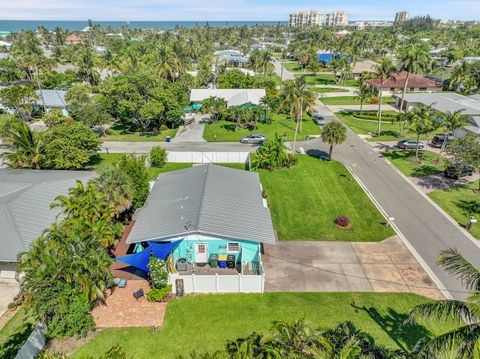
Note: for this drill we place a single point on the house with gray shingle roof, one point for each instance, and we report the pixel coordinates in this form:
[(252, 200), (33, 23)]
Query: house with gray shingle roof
[(25, 198), (218, 220), (52, 100)]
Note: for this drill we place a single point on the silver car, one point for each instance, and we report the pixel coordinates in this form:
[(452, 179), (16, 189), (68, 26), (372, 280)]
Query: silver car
[(410, 144), (254, 139)]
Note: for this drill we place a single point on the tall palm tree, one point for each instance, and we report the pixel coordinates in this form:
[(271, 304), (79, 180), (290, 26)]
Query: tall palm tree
[(452, 121), (383, 72), (333, 133), (463, 341), (421, 121), (117, 187), (297, 97), (365, 91), (24, 147), (413, 58)]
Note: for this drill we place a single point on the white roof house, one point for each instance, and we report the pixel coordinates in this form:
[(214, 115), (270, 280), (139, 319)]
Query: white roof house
[(234, 97), (52, 99), (448, 102)]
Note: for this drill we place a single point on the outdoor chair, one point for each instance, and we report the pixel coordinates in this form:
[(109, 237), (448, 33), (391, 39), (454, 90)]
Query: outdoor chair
[(139, 294), (121, 283)]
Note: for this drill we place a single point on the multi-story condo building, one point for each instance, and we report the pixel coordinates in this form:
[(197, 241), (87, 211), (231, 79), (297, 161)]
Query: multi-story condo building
[(401, 16), (306, 19), (337, 18)]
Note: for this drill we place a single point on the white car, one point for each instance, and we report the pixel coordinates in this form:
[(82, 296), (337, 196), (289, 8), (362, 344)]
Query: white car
[(188, 118)]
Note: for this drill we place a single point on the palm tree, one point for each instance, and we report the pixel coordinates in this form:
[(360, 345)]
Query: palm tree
[(383, 72), (365, 91), (24, 147), (117, 187), (298, 98), (86, 66), (452, 121), (413, 58), (421, 121), (333, 133), (463, 341)]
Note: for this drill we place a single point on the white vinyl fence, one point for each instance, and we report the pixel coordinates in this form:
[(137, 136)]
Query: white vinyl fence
[(34, 344), (218, 283), (208, 157)]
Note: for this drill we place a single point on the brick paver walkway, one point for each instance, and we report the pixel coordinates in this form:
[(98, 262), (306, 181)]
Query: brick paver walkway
[(123, 310)]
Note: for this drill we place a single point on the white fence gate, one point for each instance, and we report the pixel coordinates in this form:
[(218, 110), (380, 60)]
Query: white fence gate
[(208, 157), (218, 283)]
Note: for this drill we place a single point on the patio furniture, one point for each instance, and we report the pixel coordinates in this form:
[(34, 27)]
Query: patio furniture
[(139, 294), (121, 283)]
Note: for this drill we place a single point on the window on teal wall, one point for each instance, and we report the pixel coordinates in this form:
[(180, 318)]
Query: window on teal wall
[(233, 247)]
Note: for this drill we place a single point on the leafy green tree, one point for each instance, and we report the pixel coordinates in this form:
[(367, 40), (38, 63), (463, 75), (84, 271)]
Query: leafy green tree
[(463, 341), (235, 79), (54, 117), (85, 62), (333, 133), (272, 155), (135, 168), (216, 107), (70, 146), (365, 91), (158, 156), (24, 147), (452, 121), (9, 71), (465, 151), (21, 99)]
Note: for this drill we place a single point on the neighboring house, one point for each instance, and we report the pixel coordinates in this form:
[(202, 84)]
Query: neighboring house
[(194, 217), (25, 198), (231, 57), (73, 39), (52, 100), (448, 102), (5, 44), (341, 34), (234, 97), (416, 83), (358, 68)]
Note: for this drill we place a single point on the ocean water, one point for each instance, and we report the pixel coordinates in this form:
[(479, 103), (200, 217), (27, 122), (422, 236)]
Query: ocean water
[(18, 25)]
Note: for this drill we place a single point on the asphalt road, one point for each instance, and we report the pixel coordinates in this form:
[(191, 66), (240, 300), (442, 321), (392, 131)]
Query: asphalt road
[(425, 228)]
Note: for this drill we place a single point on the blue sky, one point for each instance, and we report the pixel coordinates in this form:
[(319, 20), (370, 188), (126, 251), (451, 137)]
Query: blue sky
[(227, 10)]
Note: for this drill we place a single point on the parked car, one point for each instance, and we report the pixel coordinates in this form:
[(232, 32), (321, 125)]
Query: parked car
[(318, 119), (254, 139), (188, 118), (438, 140), (458, 170), (410, 144)]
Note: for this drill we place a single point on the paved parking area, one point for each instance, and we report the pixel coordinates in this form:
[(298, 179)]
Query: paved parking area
[(388, 266), (9, 288)]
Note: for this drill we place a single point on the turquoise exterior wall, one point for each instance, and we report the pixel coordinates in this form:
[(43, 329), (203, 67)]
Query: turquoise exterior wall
[(186, 249)]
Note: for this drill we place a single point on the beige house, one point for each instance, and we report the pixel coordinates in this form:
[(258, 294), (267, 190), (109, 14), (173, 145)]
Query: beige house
[(363, 66)]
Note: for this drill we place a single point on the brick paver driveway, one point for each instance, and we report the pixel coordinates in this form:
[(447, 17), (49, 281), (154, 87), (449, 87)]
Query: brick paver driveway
[(308, 266)]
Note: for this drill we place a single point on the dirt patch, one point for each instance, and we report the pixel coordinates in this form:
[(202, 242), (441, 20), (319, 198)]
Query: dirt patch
[(67, 345)]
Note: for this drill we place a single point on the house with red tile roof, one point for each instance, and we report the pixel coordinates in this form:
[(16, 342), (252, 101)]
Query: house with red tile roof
[(73, 39), (416, 83)]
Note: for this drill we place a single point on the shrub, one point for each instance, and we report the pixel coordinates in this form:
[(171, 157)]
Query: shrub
[(159, 294), (12, 305), (342, 221), (158, 156), (272, 155), (158, 272), (163, 128), (134, 167)]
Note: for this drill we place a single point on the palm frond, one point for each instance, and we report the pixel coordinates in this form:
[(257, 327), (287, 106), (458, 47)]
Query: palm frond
[(455, 264), (442, 309)]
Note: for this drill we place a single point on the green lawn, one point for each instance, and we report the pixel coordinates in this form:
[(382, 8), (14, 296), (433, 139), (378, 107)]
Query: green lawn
[(405, 161), (327, 79), (460, 202), (15, 332), (293, 66), (206, 322), (305, 200), (117, 133), (349, 100), (224, 131), (390, 131), (326, 89)]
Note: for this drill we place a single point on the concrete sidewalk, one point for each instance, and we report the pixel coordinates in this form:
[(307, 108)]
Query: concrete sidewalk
[(311, 266)]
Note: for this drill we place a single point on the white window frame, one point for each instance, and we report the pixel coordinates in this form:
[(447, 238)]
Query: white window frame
[(228, 247)]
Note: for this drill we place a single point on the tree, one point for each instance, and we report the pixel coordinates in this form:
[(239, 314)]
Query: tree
[(117, 187), (215, 106), (9, 71), (465, 151), (365, 91), (135, 169), (20, 98), (85, 62), (383, 72), (421, 121), (297, 97), (452, 121), (413, 58), (463, 341), (70, 146), (24, 147), (272, 155), (333, 133)]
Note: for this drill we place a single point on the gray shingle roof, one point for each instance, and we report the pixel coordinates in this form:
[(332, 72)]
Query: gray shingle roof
[(444, 102), (51, 98), (25, 197), (210, 200)]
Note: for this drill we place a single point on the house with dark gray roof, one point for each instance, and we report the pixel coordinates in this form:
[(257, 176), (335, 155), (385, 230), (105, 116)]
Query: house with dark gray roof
[(25, 198), (214, 220)]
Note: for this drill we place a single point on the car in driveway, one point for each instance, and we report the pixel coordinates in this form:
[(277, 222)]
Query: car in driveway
[(458, 170), (255, 138), (409, 144), (438, 140), (318, 119)]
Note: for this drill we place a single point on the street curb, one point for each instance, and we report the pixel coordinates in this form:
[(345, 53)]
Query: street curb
[(432, 202), (404, 239)]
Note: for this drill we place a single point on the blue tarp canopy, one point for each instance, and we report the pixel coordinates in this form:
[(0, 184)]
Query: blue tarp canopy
[(141, 259)]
